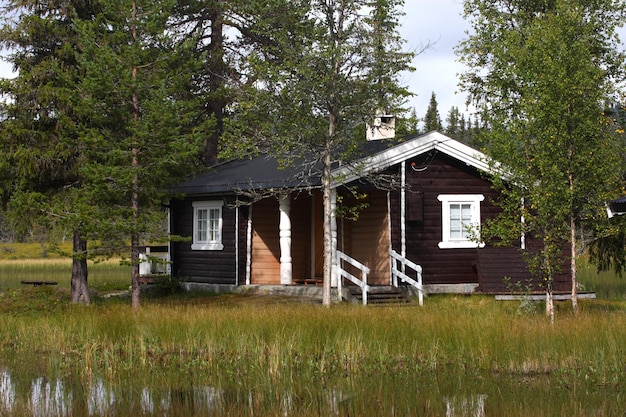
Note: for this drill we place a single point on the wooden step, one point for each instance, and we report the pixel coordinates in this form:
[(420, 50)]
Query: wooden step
[(381, 295)]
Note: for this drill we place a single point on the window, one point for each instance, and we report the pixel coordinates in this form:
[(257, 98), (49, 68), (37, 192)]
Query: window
[(207, 225), (460, 214)]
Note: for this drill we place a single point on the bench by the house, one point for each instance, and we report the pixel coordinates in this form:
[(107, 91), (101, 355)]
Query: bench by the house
[(37, 283)]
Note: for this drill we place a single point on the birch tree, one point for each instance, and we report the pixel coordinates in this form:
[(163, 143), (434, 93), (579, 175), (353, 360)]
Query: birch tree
[(539, 74), (331, 68)]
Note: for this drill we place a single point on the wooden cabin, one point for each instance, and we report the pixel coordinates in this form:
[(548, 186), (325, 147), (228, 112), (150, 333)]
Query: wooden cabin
[(248, 222)]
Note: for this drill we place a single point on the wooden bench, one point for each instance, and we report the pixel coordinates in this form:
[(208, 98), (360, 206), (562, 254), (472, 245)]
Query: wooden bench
[(35, 283)]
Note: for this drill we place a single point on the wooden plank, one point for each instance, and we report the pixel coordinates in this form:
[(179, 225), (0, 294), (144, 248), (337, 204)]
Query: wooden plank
[(368, 238), (265, 243)]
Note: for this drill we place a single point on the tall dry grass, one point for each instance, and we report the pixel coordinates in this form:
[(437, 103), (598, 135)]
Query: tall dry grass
[(251, 338)]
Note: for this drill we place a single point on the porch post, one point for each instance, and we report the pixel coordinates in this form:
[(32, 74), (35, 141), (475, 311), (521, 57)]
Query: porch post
[(285, 239), (403, 209), (249, 246)]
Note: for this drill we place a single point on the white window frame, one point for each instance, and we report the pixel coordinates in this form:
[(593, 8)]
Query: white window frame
[(206, 242), (472, 241)]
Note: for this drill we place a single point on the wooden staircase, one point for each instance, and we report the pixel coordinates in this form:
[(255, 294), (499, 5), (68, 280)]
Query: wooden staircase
[(380, 295)]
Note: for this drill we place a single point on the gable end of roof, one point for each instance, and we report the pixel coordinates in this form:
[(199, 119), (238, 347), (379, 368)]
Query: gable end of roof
[(410, 149)]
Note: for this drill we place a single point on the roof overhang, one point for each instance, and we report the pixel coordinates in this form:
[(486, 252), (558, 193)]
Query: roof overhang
[(616, 207), (266, 174), (407, 150)]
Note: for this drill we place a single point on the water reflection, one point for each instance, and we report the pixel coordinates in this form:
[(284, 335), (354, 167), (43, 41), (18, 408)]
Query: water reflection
[(7, 392), (49, 398), (472, 406), (52, 397), (434, 394), (100, 400)]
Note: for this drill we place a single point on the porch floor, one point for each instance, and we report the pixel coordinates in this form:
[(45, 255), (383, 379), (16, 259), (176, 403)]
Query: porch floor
[(308, 281)]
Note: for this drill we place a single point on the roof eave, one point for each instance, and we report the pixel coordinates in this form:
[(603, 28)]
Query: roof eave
[(410, 149)]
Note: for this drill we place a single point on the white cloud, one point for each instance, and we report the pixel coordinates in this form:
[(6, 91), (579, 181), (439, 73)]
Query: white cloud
[(440, 23)]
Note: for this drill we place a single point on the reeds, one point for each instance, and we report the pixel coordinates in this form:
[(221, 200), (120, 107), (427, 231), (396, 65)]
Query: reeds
[(279, 340), (278, 355), (453, 348)]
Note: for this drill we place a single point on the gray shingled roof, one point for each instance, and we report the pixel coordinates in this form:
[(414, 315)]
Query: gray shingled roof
[(263, 173), (618, 206)]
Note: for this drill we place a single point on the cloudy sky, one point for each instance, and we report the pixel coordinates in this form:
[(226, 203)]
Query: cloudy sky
[(439, 22)]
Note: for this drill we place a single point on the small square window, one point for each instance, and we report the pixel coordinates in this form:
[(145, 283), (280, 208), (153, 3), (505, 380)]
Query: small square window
[(460, 215), (207, 225)]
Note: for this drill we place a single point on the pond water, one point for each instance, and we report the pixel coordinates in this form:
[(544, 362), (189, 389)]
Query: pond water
[(444, 393)]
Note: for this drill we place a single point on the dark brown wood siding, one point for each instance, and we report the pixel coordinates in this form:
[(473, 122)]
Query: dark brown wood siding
[(442, 175), (445, 175), (207, 266), (301, 236)]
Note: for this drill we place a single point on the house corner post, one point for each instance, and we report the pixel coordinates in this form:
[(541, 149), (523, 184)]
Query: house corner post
[(284, 206)]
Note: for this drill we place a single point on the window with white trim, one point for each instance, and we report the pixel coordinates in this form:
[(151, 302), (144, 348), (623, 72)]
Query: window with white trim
[(460, 216), (207, 225)]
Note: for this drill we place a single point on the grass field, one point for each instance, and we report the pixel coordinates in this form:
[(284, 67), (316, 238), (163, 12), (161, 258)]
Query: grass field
[(263, 349), (25, 262), (32, 251), (259, 348)]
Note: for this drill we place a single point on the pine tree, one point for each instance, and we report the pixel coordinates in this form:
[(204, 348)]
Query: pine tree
[(43, 155), (432, 121)]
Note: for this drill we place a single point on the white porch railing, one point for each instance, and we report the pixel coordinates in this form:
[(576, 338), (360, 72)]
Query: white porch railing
[(154, 260), (399, 266), (344, 273)]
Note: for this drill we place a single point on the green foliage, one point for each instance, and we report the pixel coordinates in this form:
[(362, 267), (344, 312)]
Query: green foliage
[(539, 73), (165, 285), (341, 60), (69, 127), (523, 290), (608, 251), (408, 125), (33, 300), (432, 120)]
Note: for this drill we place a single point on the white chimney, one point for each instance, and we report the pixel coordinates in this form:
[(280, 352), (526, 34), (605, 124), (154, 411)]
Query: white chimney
[(384, 127)]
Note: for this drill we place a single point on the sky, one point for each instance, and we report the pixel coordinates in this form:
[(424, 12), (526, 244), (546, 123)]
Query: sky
[(439, 22)]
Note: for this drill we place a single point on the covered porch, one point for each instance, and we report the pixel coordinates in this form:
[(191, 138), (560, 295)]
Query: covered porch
[(285, 244)]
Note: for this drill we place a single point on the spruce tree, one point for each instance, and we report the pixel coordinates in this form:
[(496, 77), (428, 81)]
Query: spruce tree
[(432, 121), (43, 155), (137, 137)]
